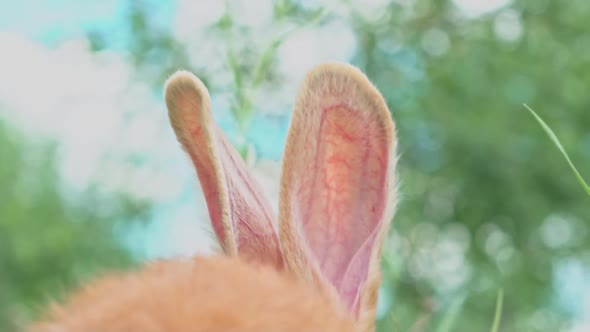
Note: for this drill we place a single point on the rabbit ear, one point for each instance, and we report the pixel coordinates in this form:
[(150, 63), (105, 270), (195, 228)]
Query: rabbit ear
[(240, 214), (337, 186)]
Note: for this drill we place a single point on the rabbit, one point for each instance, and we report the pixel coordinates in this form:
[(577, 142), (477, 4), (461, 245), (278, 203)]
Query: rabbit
[(314, 268)]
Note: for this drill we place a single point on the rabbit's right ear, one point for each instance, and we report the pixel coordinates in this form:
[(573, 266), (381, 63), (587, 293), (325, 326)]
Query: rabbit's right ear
[(241, 216), (338, 186)]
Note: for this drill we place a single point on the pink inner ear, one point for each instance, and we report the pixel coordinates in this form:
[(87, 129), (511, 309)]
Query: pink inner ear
[(339, 192), (240, 214), (250, 211), (356, 275), (249, 218)]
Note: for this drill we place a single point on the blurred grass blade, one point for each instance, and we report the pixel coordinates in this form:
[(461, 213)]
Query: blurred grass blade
[(451, 316), (498, 315), (555, 140), (263, 67)]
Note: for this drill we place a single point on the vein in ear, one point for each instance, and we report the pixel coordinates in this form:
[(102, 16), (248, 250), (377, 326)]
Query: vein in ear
[(346, 196)]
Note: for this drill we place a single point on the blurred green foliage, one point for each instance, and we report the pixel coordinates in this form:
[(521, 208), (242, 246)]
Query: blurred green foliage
[(484, 192), (50, 241)]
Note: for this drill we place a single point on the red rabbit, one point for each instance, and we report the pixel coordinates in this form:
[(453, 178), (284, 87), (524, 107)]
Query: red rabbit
[(314, 268)]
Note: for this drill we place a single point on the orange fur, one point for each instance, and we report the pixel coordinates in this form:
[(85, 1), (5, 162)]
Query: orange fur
[(199, 295)]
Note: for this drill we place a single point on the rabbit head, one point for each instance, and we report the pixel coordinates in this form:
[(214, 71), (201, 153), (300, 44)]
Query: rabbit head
[(315, 267)]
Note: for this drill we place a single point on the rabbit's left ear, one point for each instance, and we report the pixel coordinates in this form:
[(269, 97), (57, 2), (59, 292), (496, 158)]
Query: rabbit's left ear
[(241, 216), (337, 186)]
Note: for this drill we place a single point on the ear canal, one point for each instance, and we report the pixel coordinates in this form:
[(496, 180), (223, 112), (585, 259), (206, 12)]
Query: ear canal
[(337, 187), (240, 214)]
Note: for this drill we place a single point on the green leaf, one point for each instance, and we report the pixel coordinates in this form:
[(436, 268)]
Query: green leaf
[(555, 140), (263, 67), (498, 315)]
